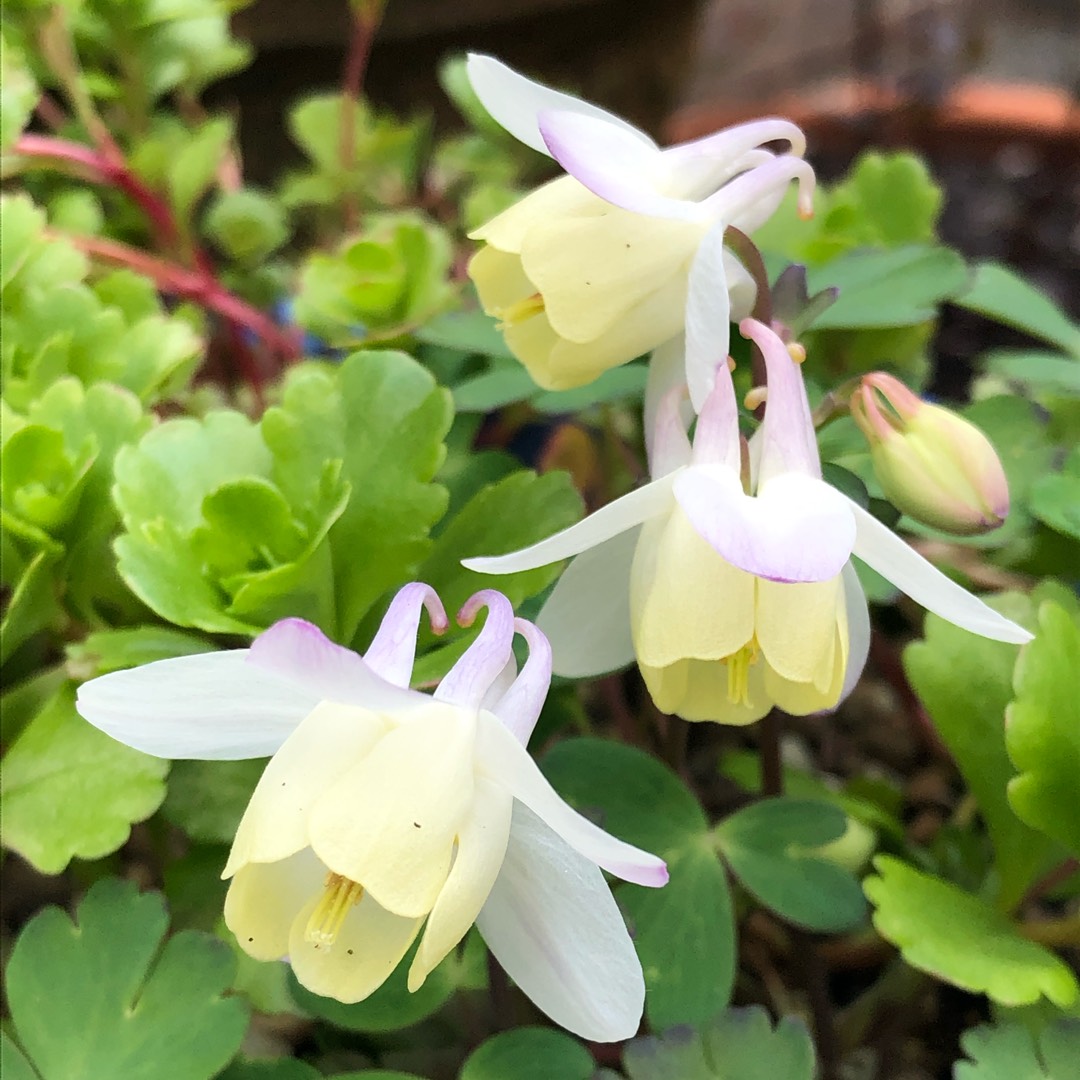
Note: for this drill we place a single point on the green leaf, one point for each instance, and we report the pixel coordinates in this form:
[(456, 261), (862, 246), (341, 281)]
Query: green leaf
[(685, 938), (1011, 1052), (965, 683), (505, 516), (192, 170), (617, 384), (19, 94), (684, 933), (740, 1044), (493, 389), (894, 196), (281, 1069), (467, 332), (1043, 728), (1045, 372), (114, 650), (389, 278), (69, 790), (529, 1054), (392, 1006), (102, 998), (13, 1064), (999, 293), (383, 417), (1055, 499), (247, 224), (961, 939), (207, 798), (888, 288), (771, 848)]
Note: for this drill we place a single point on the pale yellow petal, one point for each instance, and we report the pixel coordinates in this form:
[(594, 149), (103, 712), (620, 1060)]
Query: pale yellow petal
[(390, 821), (686, 602), (264, 899), (593, 271), (499, 279), (369, 945), (796, 627), (326, 743), (562, 197), (699, 690), (481, 847)]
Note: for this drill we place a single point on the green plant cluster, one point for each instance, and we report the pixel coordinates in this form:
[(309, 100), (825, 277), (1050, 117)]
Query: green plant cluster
[(223, 405)]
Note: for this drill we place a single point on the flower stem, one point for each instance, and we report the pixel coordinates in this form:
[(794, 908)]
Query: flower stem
[(104, 169), (193, 285), (365, 21)]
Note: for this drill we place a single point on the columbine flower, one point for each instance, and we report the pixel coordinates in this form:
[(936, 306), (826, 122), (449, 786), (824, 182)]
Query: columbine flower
[(934, 465), (728, 576), (384, 810), (590, 270)]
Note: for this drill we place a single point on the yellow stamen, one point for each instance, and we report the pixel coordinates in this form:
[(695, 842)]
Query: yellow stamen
[(518, 312), (796, 352), (756, 397), (339, 895), (738, 675)]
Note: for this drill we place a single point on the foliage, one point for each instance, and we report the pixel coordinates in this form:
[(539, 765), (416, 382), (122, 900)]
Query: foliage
[(228, 400)]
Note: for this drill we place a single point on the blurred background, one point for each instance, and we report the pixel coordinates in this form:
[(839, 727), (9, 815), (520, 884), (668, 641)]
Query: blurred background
[(987, 89)]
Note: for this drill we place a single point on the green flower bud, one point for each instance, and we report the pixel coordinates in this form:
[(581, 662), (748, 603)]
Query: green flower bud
[(932, 464)]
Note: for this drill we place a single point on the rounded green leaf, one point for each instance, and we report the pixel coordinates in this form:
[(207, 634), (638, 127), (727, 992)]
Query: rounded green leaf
[(529, 1054), (771, 847), (627, 792), (961, 939), (102, 997), (68, 790), (684, 933)]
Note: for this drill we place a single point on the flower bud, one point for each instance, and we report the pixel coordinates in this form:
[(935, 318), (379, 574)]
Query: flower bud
[(932, 464)]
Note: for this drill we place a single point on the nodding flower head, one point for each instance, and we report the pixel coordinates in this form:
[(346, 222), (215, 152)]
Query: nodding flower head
[(591, 270), (387, 815)]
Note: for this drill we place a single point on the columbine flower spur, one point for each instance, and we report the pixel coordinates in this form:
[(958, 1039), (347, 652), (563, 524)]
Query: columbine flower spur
[(385, 812), (732, 584), (590, 270)]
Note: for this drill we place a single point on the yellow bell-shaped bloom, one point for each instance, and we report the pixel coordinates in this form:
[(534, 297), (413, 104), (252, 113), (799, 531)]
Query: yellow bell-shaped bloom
[(728, 577), (591, 270)]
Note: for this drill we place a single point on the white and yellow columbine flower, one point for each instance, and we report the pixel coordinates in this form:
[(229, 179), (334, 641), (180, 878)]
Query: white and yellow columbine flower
[(728, 577), (590, 270), (384, 811)]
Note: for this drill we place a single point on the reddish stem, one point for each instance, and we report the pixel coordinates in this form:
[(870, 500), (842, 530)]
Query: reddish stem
[(106, 170), (193, 285), (364, 24)]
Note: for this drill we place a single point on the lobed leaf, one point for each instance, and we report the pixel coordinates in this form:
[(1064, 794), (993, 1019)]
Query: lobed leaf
[(1043, 728), (101, 997), (69, 790), (961, 939)]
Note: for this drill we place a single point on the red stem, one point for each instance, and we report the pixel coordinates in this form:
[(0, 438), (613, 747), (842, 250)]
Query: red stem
[(193, 285), (107, 171), (364, 24)]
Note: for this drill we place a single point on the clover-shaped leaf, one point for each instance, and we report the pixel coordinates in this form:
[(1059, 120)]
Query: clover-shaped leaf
[(101, 997), (685, 932), (772, 847), (1043, 728), (740, 1044), (963, 940), (1012, 1052)]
